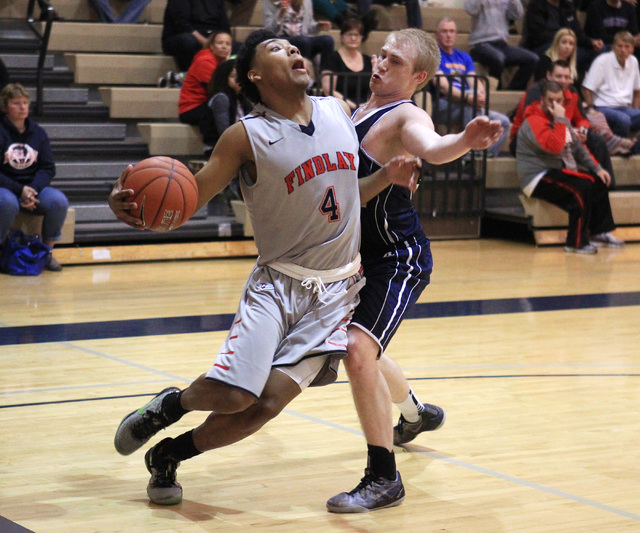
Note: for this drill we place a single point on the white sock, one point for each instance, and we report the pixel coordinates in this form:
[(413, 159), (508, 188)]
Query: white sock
[(411, 407)]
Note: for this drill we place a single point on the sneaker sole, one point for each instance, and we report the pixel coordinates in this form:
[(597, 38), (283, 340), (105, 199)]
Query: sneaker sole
[(169, 501), (120, 449), (128, 450), (353, 510), (444, 418)]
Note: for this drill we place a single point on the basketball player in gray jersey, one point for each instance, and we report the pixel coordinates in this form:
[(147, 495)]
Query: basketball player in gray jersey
[(298, 160), (395, 251)]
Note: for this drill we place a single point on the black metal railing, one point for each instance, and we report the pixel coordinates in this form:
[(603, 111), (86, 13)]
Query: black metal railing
[(353, 86), (453, 189), (47, 15)]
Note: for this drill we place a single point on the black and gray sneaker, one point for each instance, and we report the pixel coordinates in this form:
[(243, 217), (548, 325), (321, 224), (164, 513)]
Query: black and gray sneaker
[(371, 494), (163, 488), (431, 418), (138, 427)]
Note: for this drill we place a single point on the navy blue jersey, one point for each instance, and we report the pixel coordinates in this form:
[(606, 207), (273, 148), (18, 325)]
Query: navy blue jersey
[(389, 218), (396, 254)]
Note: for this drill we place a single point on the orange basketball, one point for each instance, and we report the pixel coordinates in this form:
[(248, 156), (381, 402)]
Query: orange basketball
[(165, 190)]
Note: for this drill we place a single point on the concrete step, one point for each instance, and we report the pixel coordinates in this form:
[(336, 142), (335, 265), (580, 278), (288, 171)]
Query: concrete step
[(85, 132), (26, 61), (64, 95)]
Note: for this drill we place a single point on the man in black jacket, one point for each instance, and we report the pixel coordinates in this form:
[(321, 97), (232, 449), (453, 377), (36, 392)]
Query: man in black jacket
[(188, 23), (543, 18)]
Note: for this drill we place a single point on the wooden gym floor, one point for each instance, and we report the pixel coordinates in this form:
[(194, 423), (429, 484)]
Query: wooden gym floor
[(533, 353)]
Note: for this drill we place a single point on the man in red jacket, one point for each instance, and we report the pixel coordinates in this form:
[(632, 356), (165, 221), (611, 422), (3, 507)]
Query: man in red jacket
[(548, 154), (561, 72)]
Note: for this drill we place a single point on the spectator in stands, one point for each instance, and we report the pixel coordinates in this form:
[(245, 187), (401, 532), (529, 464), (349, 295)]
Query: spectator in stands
[(227, 103), (193, 105), (414, 11), (337, 11), (129, 15), (186, 26), (346, 72), (548, 156), (543, 19), (293, 20), (605, 18), (612, 85), (563, 48), (27, 170), (488, 40), (594, 141), (454, 61), (4, 75)]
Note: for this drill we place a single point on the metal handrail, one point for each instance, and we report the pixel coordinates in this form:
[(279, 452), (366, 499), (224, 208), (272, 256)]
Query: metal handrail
[(47, 14)]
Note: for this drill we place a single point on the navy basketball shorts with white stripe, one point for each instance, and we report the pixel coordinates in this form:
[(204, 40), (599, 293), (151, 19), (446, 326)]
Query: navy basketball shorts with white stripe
[(393, 284)]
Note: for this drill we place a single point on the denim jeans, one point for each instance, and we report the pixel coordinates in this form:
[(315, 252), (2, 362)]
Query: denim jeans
[(443, 105), (130, 15), (622, 120), (53, 206), (498, 54)]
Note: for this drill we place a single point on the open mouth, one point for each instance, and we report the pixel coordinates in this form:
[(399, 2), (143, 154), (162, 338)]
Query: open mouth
[(298, 65)]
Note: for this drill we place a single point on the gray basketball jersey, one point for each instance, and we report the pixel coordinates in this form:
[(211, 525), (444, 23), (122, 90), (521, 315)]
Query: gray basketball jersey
[(305, 205)]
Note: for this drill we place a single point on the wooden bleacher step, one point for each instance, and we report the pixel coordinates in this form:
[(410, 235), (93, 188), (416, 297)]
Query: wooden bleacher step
[(119, 69), (171, 138), (79, 10), (549, 222), (106, 38), (141, 102)]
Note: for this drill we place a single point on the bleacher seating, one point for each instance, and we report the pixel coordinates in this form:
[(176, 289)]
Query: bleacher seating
[(109, 72)]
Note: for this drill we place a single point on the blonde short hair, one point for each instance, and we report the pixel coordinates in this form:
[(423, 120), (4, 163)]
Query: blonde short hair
[(11, 91), (623, 36), (427, 51)]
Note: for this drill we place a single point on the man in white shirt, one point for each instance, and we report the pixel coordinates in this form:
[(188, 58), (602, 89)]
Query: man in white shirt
[(612, 85)]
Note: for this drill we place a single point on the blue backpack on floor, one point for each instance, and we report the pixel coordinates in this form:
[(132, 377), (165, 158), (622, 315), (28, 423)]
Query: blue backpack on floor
[(23, 255)]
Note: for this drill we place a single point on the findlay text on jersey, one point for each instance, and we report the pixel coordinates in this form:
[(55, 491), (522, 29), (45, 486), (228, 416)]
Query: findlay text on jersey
[(317, 165)]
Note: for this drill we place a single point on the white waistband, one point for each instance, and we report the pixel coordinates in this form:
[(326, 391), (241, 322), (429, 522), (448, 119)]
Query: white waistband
[(325, 276)]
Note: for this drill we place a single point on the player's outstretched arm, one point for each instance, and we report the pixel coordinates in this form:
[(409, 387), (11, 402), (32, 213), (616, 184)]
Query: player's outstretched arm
[(400, 170), (232, 151), (419, 138)]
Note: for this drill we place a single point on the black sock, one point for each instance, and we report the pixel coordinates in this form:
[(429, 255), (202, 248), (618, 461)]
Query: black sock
[(381, 462), (172, 408), (179, 449)]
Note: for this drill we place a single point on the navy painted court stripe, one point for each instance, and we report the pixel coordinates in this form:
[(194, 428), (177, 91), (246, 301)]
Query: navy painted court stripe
[(194, 324), (340, 382)]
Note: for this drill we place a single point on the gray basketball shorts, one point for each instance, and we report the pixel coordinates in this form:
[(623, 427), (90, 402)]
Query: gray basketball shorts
[(280, 324)]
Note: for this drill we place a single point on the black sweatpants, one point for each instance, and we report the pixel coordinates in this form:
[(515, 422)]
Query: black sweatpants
[(584, 196)]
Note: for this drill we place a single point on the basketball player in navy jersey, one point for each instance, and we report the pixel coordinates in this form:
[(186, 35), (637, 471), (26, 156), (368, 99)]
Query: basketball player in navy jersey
[(298, 157), (396, 256)]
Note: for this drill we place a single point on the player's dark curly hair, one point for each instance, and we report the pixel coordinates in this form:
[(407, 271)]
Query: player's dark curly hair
[(244, 62)]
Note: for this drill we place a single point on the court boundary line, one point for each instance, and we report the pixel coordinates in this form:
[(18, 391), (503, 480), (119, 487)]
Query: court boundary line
[(109, 329)]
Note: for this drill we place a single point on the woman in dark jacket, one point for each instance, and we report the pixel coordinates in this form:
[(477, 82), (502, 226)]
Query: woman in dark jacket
[(27, 169)]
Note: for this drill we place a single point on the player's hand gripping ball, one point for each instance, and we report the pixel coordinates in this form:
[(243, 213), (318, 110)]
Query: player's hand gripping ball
[(164, 190)]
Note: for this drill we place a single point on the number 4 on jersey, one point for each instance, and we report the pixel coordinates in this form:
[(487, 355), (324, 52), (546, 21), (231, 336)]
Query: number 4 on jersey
[(330, 206)]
